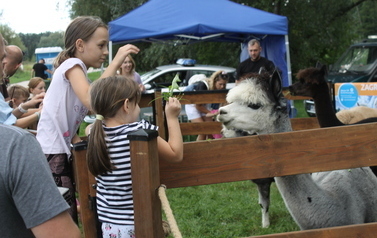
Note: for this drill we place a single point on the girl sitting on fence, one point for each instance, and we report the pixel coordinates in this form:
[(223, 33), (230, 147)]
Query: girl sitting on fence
[(115, 102)]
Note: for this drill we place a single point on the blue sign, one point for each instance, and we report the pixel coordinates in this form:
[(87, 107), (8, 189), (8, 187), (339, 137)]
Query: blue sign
[(348, 95)]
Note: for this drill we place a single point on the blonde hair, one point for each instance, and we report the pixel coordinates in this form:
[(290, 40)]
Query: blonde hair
[(107, 96), (216, 76), (33, 83), (80, 28), (133, 65)]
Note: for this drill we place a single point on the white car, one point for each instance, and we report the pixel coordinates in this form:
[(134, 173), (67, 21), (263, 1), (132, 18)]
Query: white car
[(162, 76)]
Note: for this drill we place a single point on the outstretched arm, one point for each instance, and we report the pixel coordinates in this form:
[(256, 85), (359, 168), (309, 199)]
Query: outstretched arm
[(118, 59), (172, 150)]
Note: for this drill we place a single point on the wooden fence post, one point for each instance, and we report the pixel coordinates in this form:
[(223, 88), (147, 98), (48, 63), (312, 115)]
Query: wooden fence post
[(145, 182), (87, 194), (159, 116)]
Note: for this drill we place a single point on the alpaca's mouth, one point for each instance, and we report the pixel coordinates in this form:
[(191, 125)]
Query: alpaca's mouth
[(240, 133)]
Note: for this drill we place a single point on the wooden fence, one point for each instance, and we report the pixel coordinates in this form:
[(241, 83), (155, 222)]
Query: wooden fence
[(229, 160)]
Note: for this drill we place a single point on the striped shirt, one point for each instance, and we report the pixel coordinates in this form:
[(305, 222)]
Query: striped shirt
[(114, 189)]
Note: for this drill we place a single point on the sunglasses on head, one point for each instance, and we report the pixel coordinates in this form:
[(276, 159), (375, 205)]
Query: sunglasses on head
[(223, 75)]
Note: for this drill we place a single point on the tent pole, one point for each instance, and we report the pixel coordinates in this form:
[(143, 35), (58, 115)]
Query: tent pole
[(110, 51), (293, 110), (288, 60)]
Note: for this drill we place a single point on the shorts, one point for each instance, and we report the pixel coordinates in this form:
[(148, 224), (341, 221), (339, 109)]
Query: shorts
[(117, 231), (192, 112), (62, 172)]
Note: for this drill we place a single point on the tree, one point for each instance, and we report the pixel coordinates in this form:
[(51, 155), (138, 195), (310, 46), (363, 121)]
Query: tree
[(52, 39), (11, 37)]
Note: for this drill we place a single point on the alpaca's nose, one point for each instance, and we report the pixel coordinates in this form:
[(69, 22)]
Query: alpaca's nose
[(222, 111)]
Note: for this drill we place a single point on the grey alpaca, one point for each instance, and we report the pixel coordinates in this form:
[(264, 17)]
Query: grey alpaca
[(317, 200)]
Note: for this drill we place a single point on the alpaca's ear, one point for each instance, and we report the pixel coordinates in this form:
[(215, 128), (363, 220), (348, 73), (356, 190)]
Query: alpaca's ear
[(262, 70), (318, 65), (324, 70), (275, 83)]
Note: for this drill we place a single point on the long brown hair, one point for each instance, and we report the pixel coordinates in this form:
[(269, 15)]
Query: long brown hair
[(80, 28), (107, 96)]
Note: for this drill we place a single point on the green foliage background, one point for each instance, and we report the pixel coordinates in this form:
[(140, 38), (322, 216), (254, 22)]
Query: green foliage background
[(318, 31)]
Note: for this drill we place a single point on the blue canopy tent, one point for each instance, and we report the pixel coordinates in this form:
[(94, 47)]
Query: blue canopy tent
[(190, 21)]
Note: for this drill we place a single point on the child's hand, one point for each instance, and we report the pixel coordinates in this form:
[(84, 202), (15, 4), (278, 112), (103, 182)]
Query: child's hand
[(173, 107), (34, 101), (124, 51)]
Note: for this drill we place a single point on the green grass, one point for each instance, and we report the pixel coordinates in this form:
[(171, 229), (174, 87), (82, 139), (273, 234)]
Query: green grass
[(299, 105), (226, 210)]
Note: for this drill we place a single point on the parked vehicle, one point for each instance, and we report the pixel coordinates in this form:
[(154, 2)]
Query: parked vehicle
[(162, 76), (357, 64)]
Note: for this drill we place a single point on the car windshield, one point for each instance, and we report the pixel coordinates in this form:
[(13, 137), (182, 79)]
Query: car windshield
[(149, 74), (359, 60)]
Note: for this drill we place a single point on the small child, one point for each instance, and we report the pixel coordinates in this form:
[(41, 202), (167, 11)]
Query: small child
[(17, 94), (115, 101)]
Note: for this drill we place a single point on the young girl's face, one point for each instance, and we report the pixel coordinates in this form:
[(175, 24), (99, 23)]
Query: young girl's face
[(18, 101), (95, 50), (39, 89), (220, 84), (127, 65)]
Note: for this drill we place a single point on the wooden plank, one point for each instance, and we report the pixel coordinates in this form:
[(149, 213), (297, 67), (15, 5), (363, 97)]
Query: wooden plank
[(145, 182), (288, 95), (146, 100), (368, 230), (280, 154), (304, 123), (83, 181), (190, 128), (159, 114), (201, 97)]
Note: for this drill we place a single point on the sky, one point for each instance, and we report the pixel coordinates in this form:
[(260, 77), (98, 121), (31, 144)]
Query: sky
[(35, 16)]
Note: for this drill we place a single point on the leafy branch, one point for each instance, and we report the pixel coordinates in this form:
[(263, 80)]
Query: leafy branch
[(170, 93)]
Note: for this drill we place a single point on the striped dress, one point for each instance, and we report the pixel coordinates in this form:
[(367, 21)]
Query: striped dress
[(114, 189)]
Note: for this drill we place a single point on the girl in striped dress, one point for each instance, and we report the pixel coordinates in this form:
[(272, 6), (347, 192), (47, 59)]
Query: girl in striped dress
[(115, 102)]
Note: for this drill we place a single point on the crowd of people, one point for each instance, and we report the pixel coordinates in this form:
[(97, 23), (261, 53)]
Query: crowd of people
[(43, 162)]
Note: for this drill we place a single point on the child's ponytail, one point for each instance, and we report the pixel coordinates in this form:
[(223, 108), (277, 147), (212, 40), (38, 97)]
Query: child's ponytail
[(97, 156)]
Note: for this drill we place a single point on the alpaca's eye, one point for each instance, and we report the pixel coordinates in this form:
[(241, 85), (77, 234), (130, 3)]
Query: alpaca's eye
[(254, 106)]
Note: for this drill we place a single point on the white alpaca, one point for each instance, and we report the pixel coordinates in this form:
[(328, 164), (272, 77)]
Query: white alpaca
[(317, 200)]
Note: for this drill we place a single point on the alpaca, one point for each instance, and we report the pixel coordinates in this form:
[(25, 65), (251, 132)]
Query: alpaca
[(356, 114), (312, 83), (316, 200), (263, 185)]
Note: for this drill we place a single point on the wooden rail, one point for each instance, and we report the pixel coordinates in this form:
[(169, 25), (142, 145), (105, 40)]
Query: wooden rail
[(233, 159)]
